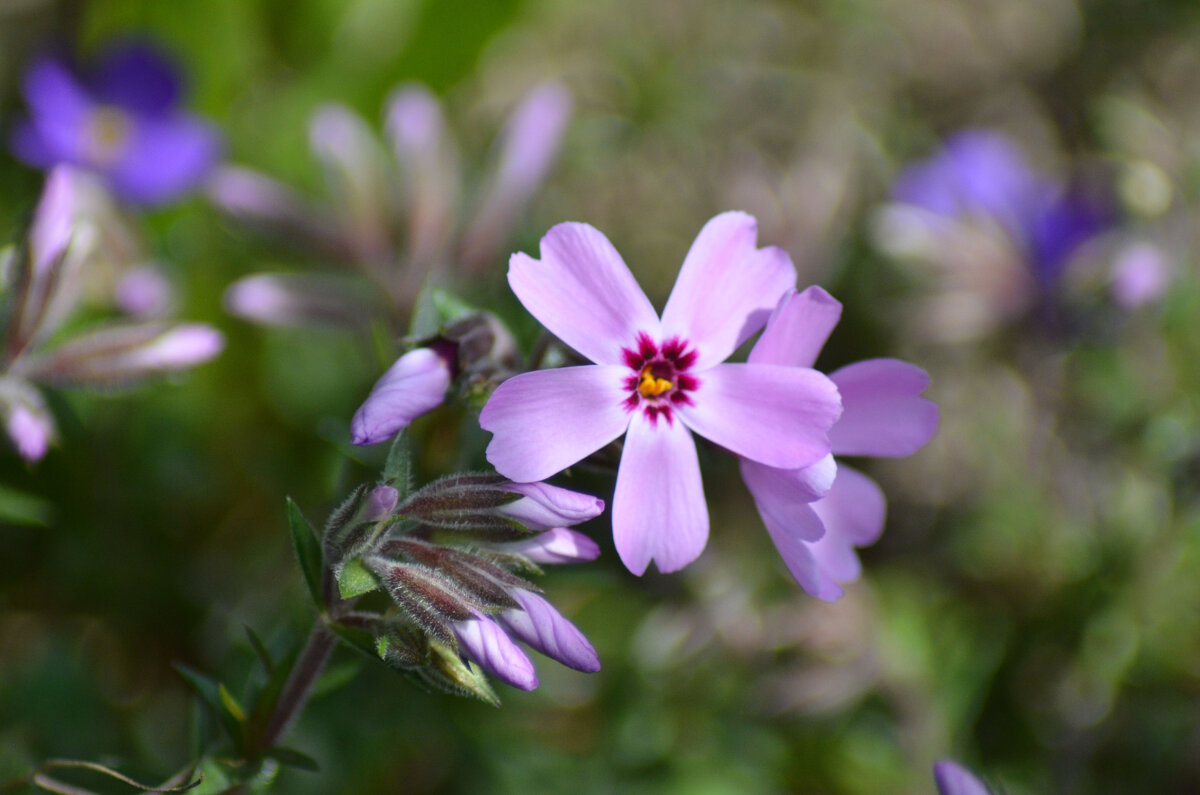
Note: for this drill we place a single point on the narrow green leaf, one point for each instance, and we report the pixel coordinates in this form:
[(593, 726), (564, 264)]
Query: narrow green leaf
[(230, 703), (293, 758), (20, 508), (214, 694), (354, 580), (267, 697), (260, 649), (337, 676), (397, 470), (308, 551)]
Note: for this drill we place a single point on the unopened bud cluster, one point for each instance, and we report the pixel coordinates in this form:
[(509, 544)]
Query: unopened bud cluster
[(453, 559)]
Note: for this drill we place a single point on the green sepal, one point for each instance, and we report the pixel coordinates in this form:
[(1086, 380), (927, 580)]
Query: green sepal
[(308, 552), (218, 699), (357, 638), (354, 580), (455, 676), (397, 469), (435, 308), (293, 758)]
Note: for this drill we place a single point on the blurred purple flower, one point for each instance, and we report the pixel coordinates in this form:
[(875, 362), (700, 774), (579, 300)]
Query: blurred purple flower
[(27, 421), (818, 514), (982, 175), (652, 372), (1140, 276), (954, 779), (122, 122), (414, 385), (358, 226), (144, 292)]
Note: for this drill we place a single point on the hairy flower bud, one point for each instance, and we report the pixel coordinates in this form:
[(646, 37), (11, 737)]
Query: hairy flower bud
[(538, 624), (557, 545), (487, 644)]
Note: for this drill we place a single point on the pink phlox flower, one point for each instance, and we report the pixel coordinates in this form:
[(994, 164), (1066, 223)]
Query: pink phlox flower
[(655, 381), (818, 514)]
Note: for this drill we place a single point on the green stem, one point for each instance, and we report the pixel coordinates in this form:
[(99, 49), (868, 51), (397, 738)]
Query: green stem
[(300, 684)]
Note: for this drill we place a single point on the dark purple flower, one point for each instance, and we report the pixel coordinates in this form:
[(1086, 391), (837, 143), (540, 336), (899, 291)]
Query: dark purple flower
[(122, 121)]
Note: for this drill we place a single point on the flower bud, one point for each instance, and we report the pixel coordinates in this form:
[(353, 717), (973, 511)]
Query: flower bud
[(145, 293), (26, 419), (544, 507), (542, 627), (414, 385), (487, 644), (953, 779), (557, 545), (284, 299)]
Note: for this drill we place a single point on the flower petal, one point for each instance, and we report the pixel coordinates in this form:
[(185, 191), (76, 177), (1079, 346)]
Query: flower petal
[(798, 554), (557, 545), (583, 293), (164, 159), (798, 329), (544, 629), (53, 93), (543, 507), (785, 494), (658, 510), (137, 76), (853, 514), (546, 420), (414, 385), (778, 416), (487, 644), (726, 288), (883, 415)]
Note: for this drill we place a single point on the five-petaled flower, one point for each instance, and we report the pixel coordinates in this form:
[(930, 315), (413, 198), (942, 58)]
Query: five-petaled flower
[(818, 514), (656, 381), (122, 122)]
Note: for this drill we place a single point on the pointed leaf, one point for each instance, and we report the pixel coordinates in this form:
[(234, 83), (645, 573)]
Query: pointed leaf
[(354, 580), (293, 758), (214, 694), (397, 470), (260, 649), (308, 551)]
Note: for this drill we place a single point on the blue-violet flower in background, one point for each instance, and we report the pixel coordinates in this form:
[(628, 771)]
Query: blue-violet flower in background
[(122, 121)]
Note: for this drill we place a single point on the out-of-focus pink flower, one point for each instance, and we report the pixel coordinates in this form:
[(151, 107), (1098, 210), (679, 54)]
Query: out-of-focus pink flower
[(1140, 276), (656, 381), (144, 292), (818, 514), (121, 354), (27, 421), (286, 299), (954, 779)]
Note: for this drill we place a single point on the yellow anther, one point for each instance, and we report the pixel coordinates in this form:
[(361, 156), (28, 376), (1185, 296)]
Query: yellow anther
[(650, 386)]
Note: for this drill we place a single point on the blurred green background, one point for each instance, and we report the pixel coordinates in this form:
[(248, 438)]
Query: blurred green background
[(1033, 608)]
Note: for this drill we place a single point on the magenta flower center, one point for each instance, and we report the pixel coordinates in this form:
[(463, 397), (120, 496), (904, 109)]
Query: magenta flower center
[(660, 376)]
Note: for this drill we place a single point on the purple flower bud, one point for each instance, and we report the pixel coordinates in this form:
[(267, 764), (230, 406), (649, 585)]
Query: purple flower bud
[(1140, 276), (145, 293), (428, 159), (544, 507), (121, 353), (557, 545), (54, 219), (543, 628), (26, 418), (486, 643), (380, 502), (284, 299), (529, 145), (414, 385), (954, 779)]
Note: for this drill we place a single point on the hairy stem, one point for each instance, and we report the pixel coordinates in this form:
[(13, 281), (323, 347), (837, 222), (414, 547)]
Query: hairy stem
[(299, 686)]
